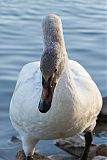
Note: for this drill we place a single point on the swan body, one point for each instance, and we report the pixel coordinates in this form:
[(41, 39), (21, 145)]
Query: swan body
[(75, 104)]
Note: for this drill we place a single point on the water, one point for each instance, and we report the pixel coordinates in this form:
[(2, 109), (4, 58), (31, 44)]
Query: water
[(84, 24)]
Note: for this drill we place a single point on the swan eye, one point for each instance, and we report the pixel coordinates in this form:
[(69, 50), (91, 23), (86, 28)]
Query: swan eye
[(55, 70)]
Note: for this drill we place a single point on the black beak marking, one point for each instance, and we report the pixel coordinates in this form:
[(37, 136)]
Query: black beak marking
[(46, 97), (44, 106)]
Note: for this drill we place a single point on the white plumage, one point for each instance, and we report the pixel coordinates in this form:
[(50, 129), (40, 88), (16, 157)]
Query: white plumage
[(75, 105)]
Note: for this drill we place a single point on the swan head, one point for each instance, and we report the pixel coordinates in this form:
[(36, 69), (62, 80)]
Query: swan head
[(52, 60)]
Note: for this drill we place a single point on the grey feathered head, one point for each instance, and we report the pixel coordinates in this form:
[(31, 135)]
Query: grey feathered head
[(54, 46)]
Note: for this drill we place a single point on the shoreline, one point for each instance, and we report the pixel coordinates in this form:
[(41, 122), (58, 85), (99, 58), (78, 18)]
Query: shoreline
[(103, 114)]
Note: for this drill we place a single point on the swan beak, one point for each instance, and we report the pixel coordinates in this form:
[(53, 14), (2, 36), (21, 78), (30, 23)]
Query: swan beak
[(46, 99)]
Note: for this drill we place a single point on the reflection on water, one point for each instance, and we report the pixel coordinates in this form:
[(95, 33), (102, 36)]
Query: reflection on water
[(21, 42)]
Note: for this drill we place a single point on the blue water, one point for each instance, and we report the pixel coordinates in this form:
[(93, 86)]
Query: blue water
[(84, 24)]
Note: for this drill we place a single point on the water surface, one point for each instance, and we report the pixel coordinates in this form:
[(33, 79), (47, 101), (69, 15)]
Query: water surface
[(84, 24)]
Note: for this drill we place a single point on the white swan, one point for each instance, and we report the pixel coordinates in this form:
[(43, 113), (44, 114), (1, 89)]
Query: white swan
[(55, 97)]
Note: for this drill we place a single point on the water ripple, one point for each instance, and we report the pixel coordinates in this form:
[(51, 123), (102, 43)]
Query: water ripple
[(85, 33)]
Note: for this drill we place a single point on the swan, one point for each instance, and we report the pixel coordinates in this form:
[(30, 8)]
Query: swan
[(55, 97)]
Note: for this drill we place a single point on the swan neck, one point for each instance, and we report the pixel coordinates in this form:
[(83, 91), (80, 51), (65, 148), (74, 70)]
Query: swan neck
[(53, 33)]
